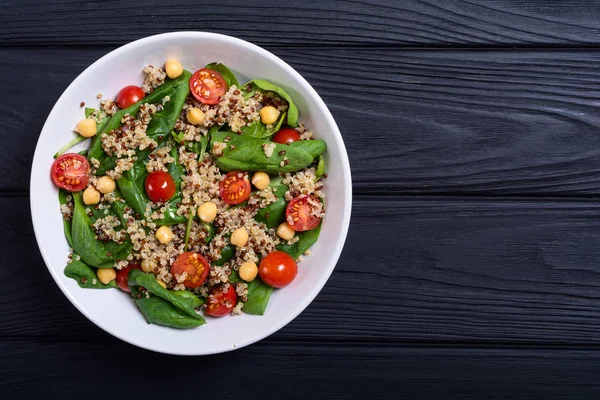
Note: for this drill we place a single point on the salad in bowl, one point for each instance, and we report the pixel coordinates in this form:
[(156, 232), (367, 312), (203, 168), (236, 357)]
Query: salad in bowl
[(195, 194)]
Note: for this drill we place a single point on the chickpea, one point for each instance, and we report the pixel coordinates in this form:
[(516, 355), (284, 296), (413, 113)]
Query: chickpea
[(106, 184), (207, 212), (261, 180), (164, 234), (285, 231), (148, 265), (161, 283), (195, 116), (91, 196), (268, 115), (173, 68), (248, 271), (239, 237), (86, 127), (106, 275)]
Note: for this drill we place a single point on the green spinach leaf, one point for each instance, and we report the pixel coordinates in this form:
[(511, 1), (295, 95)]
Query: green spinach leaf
[(292, 113), (259, 294), (85, 275), (229, 77), (91, 250), (227, 254), (159, 311), (305, 241), (89, 111), (248, 154), (314, 147), (183, 300), (320, 167), (274, 214)]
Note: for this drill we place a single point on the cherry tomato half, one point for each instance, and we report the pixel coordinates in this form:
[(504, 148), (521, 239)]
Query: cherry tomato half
[(300, 213), (207, 86), (220, 302), (129, 95), (122, 276), (278, 269), (286, 136), (196, 267), (160, 186), (235, 187), (71, 172)]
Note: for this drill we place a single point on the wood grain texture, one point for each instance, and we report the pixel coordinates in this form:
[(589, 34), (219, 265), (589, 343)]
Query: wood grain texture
[(414, 121), (271, 22), (270, 369), (413, 270)]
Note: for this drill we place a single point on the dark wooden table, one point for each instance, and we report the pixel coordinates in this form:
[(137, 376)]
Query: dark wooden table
[(472, 266)]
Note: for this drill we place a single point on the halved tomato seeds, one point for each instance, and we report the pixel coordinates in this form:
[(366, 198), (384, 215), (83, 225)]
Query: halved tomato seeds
[(207, 86), (194, 265), (304, 213), (221, 301), (235, 187), (71, 172)]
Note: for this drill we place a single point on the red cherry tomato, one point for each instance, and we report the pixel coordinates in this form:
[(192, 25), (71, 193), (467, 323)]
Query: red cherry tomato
[(300, 213), (196, 267), (71, 172), (278, 269), (207, 86), (130, 95), (122, 276), (220, 302), (286, 136), (235, 187), (160, 186)]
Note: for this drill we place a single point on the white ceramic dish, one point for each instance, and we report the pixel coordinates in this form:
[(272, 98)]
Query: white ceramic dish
[(112, 310)]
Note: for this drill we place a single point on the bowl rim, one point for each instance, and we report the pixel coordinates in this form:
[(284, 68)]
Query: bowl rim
[(37, 163)]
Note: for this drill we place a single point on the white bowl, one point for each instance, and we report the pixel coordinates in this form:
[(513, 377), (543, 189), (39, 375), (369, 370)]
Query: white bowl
[(112, 310)]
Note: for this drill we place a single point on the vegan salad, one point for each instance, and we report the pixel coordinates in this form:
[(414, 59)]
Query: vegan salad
[(196, 195)]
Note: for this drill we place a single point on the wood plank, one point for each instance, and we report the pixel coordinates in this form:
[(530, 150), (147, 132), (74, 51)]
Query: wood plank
[(413, 269), (275, 370), (270, 22), (414, 122)]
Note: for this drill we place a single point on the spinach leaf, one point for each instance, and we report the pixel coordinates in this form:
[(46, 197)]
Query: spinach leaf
[(183, 300), (260, 130), (159, 311), (93, 251), (258, 297), (274, 214), (67, 146), (248, 154), (314, 147), (320, 167), (227, 254), (89, 111), (85, 275), (160, 125), (292, 113), (229, 77), (306, 239), (132, 186), (234, 277), (62, 199), (188, 228)]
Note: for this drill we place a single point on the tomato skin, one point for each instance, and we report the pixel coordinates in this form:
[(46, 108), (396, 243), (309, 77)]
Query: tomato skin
[(122, 276), (129, 95), (298, 214), (277, 269), (195, 265), (71, 172), (235, 189), (207, 86), (286, 136), (219, 303), (160, 186)]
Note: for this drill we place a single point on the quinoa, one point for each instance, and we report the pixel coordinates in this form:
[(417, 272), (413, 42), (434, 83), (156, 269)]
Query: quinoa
[(153, 79)]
